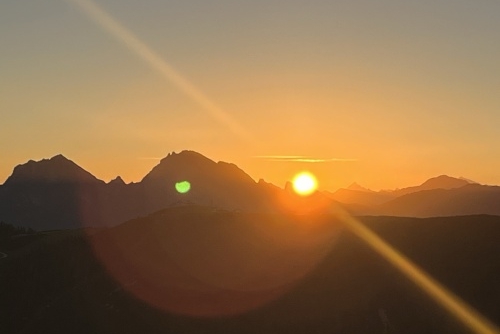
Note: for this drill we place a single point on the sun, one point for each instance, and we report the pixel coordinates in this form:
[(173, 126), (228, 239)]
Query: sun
[(304, 183)]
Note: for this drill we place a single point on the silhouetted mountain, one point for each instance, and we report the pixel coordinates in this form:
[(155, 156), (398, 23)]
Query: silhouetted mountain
[(193, 166), (56, 193), (467, 200), (51, 194), (367, 199), (361, 197), (55, 170), (356, 187), (117, 182), (439, 182), (219, 184), (468, 180)]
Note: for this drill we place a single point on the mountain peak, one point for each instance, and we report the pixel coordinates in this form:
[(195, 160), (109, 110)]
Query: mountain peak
[(59, 157), (444, 182), (195, 166), (117, 181), (182, 164), (468, 180), (56, 169), (357, 187), (185, 155)]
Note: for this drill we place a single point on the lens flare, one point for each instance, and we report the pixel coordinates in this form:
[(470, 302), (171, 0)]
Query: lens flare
[(447, 299), (305, 183), (183, 187)]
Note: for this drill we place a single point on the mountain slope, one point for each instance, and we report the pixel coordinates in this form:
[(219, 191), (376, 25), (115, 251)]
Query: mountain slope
[(56, 193), (57, 169), (355, 194), (468, 200), (51, 194), (366, 198), (243, 259), (352, 290), (217, 184), (439, 182)]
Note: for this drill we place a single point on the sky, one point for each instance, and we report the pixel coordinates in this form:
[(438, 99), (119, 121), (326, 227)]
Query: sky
[(383, 93)]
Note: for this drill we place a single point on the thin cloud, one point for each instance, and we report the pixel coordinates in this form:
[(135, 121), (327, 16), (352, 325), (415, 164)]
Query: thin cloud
[(301, 158), (279, 156)]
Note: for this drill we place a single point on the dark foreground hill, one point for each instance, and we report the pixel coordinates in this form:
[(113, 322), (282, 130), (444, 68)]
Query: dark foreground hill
[(290, 278)]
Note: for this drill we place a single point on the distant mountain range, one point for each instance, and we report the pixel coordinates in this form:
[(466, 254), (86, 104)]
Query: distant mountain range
[(439, 196), (356, 194), (56, 193)]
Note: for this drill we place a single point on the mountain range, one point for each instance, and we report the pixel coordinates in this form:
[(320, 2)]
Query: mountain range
[(56, 193)]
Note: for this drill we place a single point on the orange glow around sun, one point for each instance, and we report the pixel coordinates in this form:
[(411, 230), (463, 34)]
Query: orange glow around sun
[(304, 183)]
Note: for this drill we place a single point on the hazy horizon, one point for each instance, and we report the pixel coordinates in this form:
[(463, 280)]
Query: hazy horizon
[(270, 158), (386, 94)]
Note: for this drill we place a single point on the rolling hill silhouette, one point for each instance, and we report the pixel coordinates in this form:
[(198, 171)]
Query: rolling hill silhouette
[(196, 260), (201, 261)]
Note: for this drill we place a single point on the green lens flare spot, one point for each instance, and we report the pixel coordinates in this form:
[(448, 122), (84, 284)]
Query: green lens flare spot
[(183, 187)]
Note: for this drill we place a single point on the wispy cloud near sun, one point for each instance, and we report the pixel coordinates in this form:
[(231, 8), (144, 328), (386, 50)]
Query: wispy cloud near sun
[(301, 158)]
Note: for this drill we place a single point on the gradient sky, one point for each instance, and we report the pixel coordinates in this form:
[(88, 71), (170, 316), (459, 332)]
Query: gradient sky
[(390, 93)]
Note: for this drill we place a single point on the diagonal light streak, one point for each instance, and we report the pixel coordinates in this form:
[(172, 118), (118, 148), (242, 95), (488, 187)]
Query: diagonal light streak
[(449, 301), (155, 61)]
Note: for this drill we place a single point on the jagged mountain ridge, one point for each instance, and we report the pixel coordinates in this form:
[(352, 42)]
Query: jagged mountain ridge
[(356, 194), (53, 170), (56, 193)]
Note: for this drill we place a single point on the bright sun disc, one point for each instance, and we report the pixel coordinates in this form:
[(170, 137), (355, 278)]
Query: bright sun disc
[(304, 183)]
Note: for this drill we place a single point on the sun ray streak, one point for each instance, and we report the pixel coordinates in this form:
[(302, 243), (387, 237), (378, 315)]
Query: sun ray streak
[(452, 303), (134, 44)]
